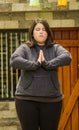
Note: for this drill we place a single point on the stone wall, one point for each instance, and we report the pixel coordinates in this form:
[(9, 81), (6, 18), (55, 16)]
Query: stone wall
[(16, 14), (8, 116)]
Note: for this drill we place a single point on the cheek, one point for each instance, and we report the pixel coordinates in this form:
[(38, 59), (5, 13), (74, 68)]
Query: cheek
[(46, 35), (34, 34)]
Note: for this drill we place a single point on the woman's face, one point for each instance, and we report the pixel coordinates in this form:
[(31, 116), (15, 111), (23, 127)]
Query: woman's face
[(40, 34)]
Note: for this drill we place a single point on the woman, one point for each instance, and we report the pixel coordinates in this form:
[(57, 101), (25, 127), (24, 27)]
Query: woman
[(38, 95)]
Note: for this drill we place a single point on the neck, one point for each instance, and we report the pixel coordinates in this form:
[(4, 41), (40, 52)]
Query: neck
[(41, 44)]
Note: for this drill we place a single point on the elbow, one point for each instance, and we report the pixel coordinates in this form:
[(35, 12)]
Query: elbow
[(69, 59), (12, 62)]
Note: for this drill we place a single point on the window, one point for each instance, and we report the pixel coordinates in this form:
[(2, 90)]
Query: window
[(9, 41)]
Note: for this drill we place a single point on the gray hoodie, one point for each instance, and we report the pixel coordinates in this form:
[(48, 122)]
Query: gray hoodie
[(39, 79)]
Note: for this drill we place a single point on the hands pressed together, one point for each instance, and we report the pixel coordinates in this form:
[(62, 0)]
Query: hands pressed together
[(41, 57)]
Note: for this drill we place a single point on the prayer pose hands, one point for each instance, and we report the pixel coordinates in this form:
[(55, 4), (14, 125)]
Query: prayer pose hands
[(41, 57)]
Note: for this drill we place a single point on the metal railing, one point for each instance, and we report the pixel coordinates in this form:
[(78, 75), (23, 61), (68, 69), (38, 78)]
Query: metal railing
[(9, 41)]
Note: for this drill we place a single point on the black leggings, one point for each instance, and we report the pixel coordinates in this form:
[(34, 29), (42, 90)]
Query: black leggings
[(34, 115)]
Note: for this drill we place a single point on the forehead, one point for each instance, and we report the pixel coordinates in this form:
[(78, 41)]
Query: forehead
[(38, 25)]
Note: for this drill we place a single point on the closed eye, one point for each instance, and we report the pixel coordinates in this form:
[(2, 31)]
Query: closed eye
[(38, 29)]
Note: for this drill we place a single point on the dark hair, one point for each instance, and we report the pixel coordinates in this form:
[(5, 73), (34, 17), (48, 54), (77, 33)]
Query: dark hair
[(32, 41)]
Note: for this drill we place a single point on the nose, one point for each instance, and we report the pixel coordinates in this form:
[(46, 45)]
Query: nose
[(41, 31)]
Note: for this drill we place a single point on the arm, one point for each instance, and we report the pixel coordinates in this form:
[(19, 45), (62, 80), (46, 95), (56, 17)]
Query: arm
[(63, 57), (18, 59)]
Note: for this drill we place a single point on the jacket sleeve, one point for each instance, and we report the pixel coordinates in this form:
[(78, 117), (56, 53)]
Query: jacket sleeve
[(62, 58), (18, 60)]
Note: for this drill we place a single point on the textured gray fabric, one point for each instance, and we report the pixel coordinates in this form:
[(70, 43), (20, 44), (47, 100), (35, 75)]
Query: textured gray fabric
[(39, 79)]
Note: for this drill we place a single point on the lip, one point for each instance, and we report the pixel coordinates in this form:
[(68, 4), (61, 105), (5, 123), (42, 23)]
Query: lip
[(41, 36)]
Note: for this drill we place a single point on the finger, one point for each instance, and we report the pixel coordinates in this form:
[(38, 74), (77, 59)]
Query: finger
[(40, 56), (41, 52)]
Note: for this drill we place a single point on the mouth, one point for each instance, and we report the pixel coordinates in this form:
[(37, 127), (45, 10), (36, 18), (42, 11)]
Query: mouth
[(41, 36)]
